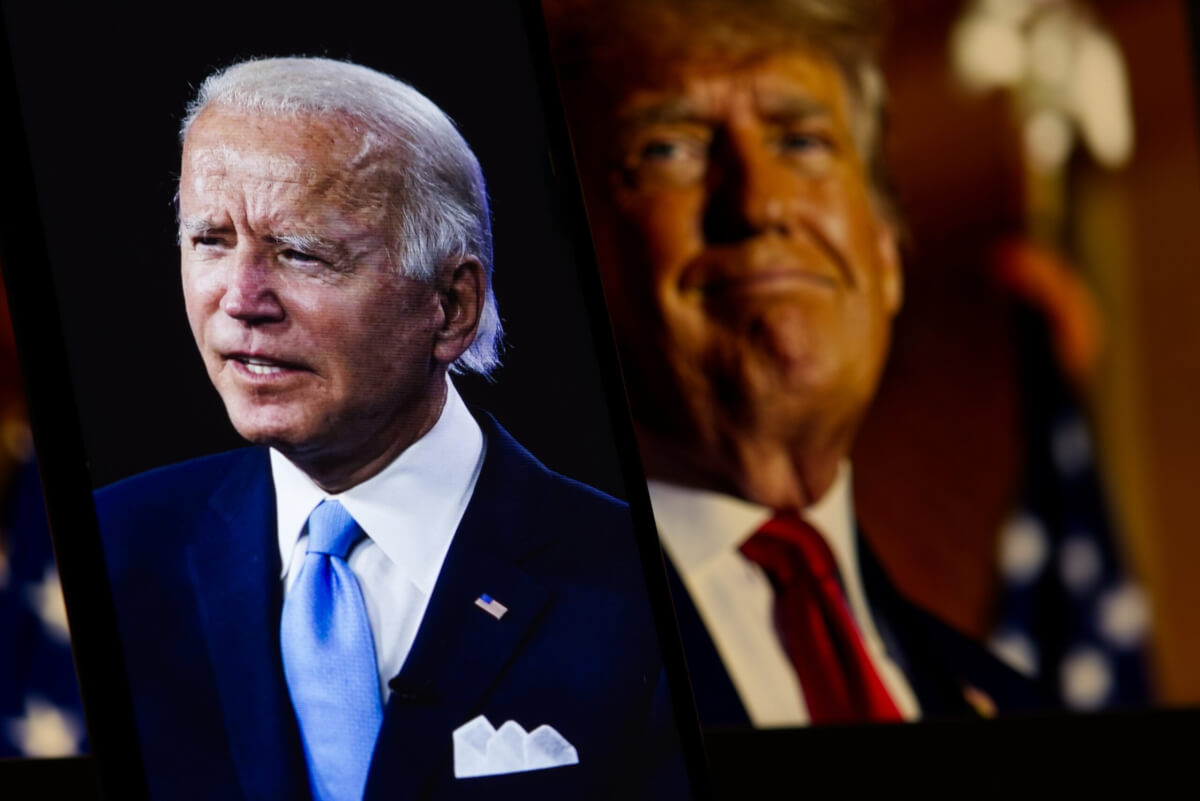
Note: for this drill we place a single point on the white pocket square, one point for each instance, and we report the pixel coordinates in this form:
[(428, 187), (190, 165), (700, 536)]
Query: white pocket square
[(482, 750)]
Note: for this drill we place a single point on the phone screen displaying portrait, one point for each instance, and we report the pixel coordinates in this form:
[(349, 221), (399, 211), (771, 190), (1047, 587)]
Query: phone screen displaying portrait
[(338, 468)]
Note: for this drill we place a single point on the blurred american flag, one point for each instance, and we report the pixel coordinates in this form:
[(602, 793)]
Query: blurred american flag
[(40, 712), (1070, 615)]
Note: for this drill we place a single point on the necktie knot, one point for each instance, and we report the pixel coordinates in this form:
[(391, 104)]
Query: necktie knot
[(787, 545), (331, 530)]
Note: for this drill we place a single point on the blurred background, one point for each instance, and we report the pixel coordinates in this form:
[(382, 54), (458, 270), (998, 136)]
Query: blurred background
[(1033, 448), (40, 712), (1046, 366)]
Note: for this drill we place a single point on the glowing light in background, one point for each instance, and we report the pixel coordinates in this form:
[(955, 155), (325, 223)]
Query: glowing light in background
[(1065, 72), (1100, 90), (988, 53)]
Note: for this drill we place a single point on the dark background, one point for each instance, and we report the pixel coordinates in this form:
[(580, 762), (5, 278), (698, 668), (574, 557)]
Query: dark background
[(102, 98)]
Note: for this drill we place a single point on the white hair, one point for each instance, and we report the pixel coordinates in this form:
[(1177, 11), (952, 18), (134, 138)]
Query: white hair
[(440, 211)]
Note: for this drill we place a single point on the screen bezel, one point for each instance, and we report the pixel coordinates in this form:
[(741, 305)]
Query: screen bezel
[(115, 758), (996, 756)]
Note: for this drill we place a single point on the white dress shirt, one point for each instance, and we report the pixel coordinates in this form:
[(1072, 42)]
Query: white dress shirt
[(409, 511), (701, 532)]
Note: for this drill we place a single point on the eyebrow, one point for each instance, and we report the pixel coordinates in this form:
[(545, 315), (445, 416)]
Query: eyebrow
[(194, 226), (300, 240), (795, 107), (671, 110), (308, 243), (676, 110)]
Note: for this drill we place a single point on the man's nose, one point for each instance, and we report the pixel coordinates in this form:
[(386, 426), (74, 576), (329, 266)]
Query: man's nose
[(749, 193), (249, 293)]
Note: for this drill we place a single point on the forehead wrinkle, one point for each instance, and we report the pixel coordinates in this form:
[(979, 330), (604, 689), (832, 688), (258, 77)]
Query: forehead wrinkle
[(797, 68), (291, 190), (221, 158), (358, 176), (708, 99), (334, 181), (226, 160)]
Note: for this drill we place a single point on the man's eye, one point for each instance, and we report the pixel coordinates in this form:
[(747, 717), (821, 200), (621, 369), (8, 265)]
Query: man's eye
[(672, 150), (804, 143), (300, 257), (659, 151), (674, 160), (207, 242)]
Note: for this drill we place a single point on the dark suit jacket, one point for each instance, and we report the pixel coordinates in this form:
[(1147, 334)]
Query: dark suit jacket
[(942, 665), (194, 561)]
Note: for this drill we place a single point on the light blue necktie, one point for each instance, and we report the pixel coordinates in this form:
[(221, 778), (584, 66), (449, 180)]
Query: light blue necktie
[(329, 660)]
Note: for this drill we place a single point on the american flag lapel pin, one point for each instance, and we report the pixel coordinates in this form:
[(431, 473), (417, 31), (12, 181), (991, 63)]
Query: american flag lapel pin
[(490, 605)]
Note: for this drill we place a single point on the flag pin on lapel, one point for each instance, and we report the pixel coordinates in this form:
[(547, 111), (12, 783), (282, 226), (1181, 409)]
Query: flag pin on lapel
[(980, 701), (490, 605)]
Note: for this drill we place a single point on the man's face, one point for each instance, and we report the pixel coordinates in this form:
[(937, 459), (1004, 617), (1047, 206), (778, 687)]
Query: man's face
[(751, 280), (315, 343)]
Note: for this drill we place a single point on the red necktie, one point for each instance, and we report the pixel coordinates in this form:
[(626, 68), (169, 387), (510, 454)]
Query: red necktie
[(814, 624)]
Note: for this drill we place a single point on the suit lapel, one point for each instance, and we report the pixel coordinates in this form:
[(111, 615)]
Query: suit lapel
[(718, 704), (909, 640), (460, 649), (234, 566), (904, 629)]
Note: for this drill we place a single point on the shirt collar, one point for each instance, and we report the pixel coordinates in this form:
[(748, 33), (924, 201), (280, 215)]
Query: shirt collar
[(406, 508), (698, 525)]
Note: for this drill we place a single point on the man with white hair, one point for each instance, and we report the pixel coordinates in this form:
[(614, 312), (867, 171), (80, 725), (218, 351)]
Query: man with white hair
[(351, 606)]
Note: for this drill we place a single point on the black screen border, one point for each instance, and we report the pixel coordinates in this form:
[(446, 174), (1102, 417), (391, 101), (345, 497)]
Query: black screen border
[(982, 759), (636, 493), (115, 756)]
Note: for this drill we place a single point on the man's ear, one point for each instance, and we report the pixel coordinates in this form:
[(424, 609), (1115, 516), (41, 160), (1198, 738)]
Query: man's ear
[(461, 290), (891, 272)]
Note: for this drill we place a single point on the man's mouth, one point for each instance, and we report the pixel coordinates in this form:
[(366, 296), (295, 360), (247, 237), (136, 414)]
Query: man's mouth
[(769, 280), (261, 365), (766, 281)]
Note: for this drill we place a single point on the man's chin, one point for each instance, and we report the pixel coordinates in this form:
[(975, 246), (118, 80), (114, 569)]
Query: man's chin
[(282, 434)]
